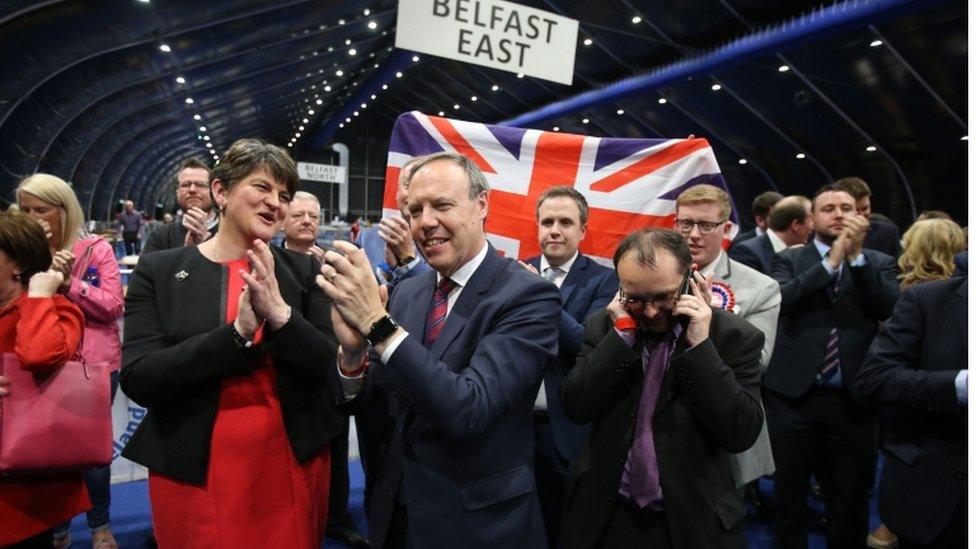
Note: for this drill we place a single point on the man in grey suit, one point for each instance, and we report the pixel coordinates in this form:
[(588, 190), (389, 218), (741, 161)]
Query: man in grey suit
[(702, 218)]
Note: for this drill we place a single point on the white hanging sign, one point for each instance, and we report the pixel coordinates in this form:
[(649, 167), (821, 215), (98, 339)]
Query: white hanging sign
[(325, 173)]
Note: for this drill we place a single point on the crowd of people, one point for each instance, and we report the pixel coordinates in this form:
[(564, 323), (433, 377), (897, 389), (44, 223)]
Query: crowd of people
[(551, 402)]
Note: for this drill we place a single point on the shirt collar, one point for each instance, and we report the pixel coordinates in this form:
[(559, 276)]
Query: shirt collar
[(778, 244), (821, 247), (710, 268), (565, 267), (466, 271)]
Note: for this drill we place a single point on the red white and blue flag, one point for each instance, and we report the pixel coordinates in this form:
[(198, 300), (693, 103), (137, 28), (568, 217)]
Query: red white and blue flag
[(628, 183)]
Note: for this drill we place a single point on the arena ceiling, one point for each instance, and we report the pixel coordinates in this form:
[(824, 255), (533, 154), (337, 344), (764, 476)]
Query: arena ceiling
[(113, 95)]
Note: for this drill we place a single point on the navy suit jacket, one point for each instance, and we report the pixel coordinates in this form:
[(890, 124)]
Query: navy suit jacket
[(755, 252), (460, 455), (912, 365), (866, 296), (588, 287)]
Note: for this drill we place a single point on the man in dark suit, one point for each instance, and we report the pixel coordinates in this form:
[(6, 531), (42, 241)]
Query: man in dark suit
[(883, 235), (199, 220), (761, 205), (461, 354), (671, 386), (834, 295), (586, 286), (918, 365), (790, 224)]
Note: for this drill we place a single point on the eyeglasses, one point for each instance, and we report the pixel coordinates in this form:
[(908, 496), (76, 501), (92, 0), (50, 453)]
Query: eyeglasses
[(185, 185), (704, 227), (660, 301)]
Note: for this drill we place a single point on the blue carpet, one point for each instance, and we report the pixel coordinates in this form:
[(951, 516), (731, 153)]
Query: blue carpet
[(131, 521)]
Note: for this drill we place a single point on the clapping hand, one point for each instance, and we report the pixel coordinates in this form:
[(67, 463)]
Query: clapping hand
[(195, 222), (262, 287), (396, 233)]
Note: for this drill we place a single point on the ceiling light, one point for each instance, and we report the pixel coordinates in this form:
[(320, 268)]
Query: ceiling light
[(743, 161), (289, 145), (588, 42), (716, 87), (144, 1), (331, 49), (342, 21), (456, 106), (342, 124), (494, 87), (165, 48), (339, 72), (371, 25), (328, 88), (203, 128), (297, 135), (620, 111), (355, 113), (870, 148), (586, 120), (385, 87), (636, 19), (348, 120), (800, 156), (189, 100), (440, 113), (301, 128), (318, 101), (311, 112), (197, 117), (555, 128), (206, 138), (180, 80), (399, 74), (362, 106), (348, 41), (964, 138), (366, 11), (783, 68), (474, 97), (352, 51), (662, 101), (304, 120), (373, 96), (876, 43), (520, 75)]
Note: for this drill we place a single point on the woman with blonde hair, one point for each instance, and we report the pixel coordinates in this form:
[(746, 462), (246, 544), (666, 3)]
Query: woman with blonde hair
[(92, 282), (930, 247)]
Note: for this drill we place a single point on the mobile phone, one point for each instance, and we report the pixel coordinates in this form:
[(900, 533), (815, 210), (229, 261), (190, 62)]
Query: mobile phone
[(687, 282)]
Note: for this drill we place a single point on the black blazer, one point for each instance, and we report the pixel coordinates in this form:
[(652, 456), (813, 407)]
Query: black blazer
[(754, 252), (884, 237), (912, 365), (178, 349), (708, 408), (745, 234), (168, 236), (866, 296)]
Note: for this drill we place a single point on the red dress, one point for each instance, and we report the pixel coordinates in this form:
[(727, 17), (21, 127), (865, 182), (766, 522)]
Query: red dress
[(256, 493)]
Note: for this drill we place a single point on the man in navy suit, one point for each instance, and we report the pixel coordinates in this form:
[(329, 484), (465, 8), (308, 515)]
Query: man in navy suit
[(790, 224), (460, 353), (586, 286), (834, 293), (761, 206), (918, 365), (883, 235)]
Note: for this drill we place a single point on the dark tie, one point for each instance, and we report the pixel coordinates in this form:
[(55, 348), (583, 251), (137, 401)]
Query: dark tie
[(645, 482), (831, 361), (438, 311)]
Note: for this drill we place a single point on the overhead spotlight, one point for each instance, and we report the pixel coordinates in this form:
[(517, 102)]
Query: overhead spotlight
[(800, 156), (197, 117), (870, 148), (348, 41), (203, 128), (588, 42), (352, 51), (474, 97), (494, 88), (964, 138), (743, 161), (289, 145), (355, 113), (362, 105), (311, 112), (342, 124), (206, 138), (318, 101), (165, 48), (180, 80), (189, 100), (519, 75), (304, 120), (416, 58), (555, 128), (636, 19), (399, 74), (144, 1), (375, 65), (371, 25), (297, 135), (366, 11), (342, 21), (876, 43), (385, 87), (716, 87), (456, 106), (339, 72), (440, 113), (586, 120), (620, 111), (301, 128), (373, 96), (662, 101), (783, 68), (328, 88), (348, 120)]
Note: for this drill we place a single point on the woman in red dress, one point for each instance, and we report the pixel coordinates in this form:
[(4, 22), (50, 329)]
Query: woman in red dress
[(43, 329), (230, 347)]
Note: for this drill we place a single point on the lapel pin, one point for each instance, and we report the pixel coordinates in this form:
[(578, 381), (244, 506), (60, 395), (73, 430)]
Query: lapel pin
[(181, 276)]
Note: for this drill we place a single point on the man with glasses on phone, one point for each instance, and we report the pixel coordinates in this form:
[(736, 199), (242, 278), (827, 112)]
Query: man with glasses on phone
[(199, 220), (671, 386)]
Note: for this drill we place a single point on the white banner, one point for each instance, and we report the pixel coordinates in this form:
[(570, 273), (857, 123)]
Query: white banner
[(325, 173), (491, 33), (126, 416)]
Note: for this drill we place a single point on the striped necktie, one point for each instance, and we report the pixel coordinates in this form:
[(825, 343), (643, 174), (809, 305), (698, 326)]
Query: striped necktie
[(552, 273), (831, 362), (438, 311)]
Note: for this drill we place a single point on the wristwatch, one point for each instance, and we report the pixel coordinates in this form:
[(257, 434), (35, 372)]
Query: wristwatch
[(382, 329), (407, 259)]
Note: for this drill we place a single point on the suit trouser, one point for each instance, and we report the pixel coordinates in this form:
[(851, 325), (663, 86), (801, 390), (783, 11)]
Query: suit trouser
[(632, 528), (551, 476), (827, 434), (339, 517)]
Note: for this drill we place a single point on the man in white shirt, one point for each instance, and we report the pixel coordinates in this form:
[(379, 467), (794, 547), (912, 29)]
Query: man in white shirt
[(790, 224)]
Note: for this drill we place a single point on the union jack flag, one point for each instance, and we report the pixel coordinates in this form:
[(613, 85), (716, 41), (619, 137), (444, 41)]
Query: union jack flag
[(628, 183)]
